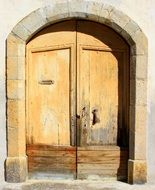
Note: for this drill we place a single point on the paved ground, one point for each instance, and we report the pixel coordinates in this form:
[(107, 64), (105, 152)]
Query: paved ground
[(75, 185)]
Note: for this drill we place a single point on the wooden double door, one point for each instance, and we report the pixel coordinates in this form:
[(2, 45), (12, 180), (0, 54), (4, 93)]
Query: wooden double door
[(77, 102)]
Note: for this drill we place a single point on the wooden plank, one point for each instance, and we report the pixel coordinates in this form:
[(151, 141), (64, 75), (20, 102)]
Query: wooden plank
[(40, 166), (102, 162), (52, 153), (51, 159), (100, 166), (105, 160), (103, 147), (49, 147), (100, 174), (113, 154), (38, 163)]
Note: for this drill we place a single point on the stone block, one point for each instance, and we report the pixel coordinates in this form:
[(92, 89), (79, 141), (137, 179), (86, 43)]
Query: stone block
[(16, 141), (22, 32), (138, 118), (138, 92), (16, 113), (77, 8), (140, 145), (15, 46), (140, 46), (137, 145), (128, 30), (118, 20), (137, 132), (104, 15), (137, 171), (13, 141), (16, 89), (56, 12), (138, 67), (16, 169), (93, 10), (34, 22), (16, 68)]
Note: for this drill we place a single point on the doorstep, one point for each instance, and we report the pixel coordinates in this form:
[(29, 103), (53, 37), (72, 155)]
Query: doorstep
[(107, 184)]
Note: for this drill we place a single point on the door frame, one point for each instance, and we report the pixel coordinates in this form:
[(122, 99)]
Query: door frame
[(16, 162)]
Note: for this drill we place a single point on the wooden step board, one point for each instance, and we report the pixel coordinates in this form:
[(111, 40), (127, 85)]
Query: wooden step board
[(51, 161), (101, 162), (81, 162)]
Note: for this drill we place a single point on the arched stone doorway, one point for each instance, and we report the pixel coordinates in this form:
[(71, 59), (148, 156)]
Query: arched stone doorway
[(77, 87), (16, 163)]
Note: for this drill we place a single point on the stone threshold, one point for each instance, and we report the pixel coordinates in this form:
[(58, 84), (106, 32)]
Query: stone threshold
[(106, 184)]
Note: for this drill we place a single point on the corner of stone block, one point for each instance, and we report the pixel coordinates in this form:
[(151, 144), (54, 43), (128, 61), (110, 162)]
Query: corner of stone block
[(16, 169), (137, 172)]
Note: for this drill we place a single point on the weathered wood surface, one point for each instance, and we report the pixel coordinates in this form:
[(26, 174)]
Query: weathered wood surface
[(102, 162), (98, 85), (58, 160), (51, 57), (49, 102), (102, 85), (77, 86)]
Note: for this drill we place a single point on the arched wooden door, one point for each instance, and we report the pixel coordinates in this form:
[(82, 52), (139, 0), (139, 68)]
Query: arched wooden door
[(77, 102)]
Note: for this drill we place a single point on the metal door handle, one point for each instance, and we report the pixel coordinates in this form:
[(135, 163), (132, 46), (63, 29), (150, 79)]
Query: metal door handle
[(77, 116), (95, 117), (46, 82)]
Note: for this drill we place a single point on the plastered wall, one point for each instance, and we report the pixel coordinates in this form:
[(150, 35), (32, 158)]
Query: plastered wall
[(141, 11)]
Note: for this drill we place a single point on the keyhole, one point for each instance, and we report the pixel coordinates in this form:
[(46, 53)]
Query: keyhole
[(95, 117)]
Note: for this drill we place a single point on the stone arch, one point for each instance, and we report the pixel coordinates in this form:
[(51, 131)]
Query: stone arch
[(16, 163)]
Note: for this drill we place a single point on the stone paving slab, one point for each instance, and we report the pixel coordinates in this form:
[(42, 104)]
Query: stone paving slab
[(74, 185)]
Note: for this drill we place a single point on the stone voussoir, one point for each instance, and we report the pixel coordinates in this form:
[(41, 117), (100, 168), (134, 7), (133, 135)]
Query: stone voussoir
[(21, 31), (33, 23), (140, 46), (56, 12), (118, 20), (130, 27), (93, 10), (77, 8), (104, 15)]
